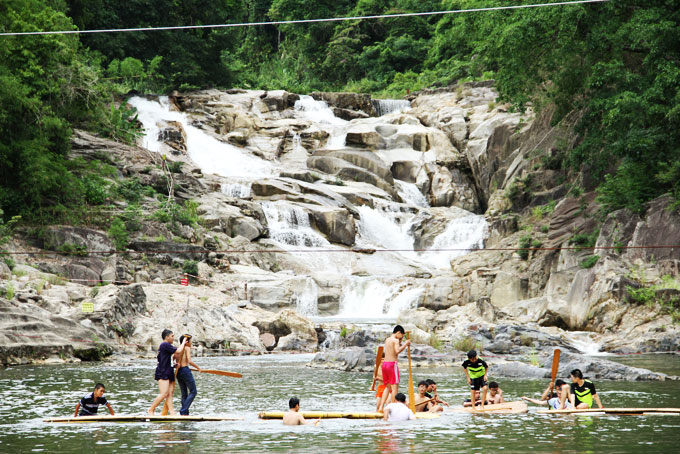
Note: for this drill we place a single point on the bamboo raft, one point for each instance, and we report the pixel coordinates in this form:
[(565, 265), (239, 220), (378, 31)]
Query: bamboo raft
[(338, 414), (140, 418), (614, 411), (494, 409)]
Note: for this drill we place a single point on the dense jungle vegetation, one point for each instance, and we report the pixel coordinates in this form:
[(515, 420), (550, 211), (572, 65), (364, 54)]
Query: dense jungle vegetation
[(616, 63)]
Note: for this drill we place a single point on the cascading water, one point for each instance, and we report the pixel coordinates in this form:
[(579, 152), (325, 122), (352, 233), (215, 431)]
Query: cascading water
[(307, 300), (319, 112), (211, 155), (464, 234), (387, 106), (290, 226), (385, 226), (371, 298), (410, 194), (237, 190)]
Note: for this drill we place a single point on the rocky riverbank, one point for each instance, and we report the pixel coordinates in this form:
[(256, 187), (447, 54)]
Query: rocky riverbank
[(309, 210)]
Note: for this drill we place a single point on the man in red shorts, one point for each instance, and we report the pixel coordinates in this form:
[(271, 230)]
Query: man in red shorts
[(390, 368)]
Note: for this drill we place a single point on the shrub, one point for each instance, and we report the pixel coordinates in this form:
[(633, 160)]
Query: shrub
[(589, 261), (524, 242), (585, 240), (190, 267), (175, 166), (119, 234), (465, 344)]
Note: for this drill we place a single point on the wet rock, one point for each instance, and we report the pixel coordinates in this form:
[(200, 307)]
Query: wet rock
[(347, 101), (349, 359), (337, 225), (598, 368), (29, 333)]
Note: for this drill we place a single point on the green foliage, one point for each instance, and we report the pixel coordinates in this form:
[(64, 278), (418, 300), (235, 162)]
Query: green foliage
[(465, 344), (9, 291), (343, 332), (121, 124), (654, 296), (119, 234), (190, 267), (175, 166), (545, 210), (589, 261), (436, 342), (585, 240), (524, 242), (132, 190), (78, 250)]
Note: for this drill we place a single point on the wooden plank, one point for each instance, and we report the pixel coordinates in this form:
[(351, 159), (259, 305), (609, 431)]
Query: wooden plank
[(378, 363), (612, 410), (141, 418), (496, 409), (338, 414)]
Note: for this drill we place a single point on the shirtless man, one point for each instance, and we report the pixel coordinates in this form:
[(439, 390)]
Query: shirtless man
[(432, 392), (293, 417), (495, 393), (185, 378), (553, 399), (164, 371), (390, 368), (425, 402)]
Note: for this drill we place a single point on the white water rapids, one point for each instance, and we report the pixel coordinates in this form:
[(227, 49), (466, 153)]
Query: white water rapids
[(380, 293)]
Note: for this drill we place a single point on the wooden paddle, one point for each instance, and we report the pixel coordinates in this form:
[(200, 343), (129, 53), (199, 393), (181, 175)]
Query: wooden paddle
[(555, 366), (219, 372), (166, 407), (378, 362), (411, 392)]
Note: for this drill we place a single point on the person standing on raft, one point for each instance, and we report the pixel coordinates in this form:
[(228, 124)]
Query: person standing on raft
[(390, 367), (582, 392), (476, 371), (185, 378), (164, 371)]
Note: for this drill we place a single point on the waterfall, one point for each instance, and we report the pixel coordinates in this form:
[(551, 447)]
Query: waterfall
[(386, 106), (410, 194), (289, 225), (319, 112), (211, 155), (586, 342), (385, 227), (237, 190), (373, 299), (307, 300), (466, 233)]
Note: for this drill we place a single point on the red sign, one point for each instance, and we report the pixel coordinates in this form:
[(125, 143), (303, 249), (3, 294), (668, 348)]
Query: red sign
[(184, 282)]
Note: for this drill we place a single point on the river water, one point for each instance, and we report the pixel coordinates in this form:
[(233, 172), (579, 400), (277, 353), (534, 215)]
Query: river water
[(30, 393)]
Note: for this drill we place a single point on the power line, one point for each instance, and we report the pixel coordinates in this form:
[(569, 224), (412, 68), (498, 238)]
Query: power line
[(300, 21), (324, 251)]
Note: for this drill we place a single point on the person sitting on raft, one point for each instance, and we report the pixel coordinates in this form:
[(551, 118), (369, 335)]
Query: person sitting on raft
[(582, 392), (552, 398), (293, 417), (432, 392), (423, 402), (398, 411), (495, 393), (478, 400), (90, 403)]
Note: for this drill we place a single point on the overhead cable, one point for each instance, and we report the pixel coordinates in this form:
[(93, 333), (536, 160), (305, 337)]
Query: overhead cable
[(299, 21)]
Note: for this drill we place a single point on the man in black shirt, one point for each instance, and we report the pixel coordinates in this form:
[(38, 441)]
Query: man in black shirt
[(90, 403), (582, 392)]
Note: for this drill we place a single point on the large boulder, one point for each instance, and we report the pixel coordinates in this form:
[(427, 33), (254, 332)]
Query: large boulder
[(348, 101), (64, 238), (336, 224), (661, 227)]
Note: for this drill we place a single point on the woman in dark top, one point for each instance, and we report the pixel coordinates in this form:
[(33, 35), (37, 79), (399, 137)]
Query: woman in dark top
[(165, 373)]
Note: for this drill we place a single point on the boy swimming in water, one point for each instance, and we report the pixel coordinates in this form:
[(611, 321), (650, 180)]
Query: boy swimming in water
[(90, 403), (293, 417)]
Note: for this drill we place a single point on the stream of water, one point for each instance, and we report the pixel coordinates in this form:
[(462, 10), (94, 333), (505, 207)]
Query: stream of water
[(30, 393)]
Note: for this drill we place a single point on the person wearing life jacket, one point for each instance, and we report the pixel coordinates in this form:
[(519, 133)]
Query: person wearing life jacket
[(582, 392)]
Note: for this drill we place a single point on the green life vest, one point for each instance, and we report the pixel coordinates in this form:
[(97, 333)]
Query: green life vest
[(584, 395), (476, 371)]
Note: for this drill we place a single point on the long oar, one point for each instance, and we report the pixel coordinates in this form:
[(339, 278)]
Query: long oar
[(411, 392), (166, 407), (219, 372), (556, 365), (378, 362)]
